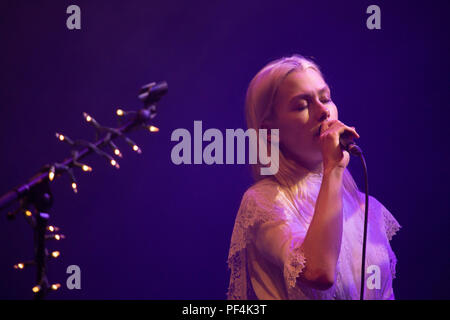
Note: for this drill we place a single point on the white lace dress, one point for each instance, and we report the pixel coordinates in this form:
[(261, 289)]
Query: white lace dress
[(265, 254)]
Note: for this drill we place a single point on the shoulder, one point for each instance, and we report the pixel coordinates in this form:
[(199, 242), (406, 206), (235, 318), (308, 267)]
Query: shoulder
[(264, 190), (263, 201)]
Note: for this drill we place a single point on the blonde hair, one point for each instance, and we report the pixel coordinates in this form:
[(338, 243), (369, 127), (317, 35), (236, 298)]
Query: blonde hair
[(260, 105)]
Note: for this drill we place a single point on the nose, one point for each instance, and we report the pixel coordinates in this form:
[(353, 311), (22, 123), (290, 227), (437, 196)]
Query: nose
[(324, 113)]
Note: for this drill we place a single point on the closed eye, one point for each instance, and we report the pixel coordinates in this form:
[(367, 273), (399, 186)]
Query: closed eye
[(301, 105)]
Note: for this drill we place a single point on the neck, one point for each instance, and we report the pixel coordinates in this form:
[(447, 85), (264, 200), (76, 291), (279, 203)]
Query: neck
[(295, 172)]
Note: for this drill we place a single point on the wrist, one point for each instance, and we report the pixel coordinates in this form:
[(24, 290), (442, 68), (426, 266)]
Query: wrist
[(333, 171)]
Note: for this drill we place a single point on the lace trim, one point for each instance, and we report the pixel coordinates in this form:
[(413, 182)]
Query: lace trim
[(393, 264), (235, 288), (294, 266), (391, 225)]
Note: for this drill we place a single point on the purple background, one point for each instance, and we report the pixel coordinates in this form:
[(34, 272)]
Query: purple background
[(154, 230)]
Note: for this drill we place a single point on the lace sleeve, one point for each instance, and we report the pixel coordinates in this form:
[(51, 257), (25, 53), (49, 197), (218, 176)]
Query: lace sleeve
[(257, 207), (264, 219), (391, 227), (391, 224), (294, 265), (281, 243), (388, 224)]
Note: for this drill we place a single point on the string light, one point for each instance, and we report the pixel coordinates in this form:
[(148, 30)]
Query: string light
[(55, 286), (117, 152), (111, 133), (86, 168), (52, 228), (36, 289), (28, 213), (55, 254), (114, 163), (51, 173), (87, 117), (19, 266), (59, 236), (23, 265), (137, 149), (60, 136), (114, 147), (132, 144), (91, 120)]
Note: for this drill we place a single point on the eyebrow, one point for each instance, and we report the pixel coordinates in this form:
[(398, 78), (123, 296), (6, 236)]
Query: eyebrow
[(308, 94)]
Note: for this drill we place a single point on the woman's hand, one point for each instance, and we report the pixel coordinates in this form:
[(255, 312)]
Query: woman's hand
[(332, 153)]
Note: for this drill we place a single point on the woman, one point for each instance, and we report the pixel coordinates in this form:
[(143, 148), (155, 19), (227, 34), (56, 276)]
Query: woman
[(298, 234)]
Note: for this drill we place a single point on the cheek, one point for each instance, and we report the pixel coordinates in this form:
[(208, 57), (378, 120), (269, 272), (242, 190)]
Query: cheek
[(293, 132)]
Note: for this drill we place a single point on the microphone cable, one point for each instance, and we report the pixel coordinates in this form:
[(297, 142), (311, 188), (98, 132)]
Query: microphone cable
[(353, 149)]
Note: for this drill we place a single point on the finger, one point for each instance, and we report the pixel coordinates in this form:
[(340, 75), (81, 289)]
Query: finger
[(333, 125), (350, 130), (339, 127), (355, 131), (327, 124)]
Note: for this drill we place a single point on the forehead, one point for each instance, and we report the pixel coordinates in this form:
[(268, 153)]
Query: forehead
[(298, 82)]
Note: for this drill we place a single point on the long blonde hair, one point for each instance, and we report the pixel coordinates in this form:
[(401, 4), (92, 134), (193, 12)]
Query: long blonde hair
[(260, 105)]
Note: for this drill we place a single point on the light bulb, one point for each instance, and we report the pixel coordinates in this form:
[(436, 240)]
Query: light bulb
[(86, 168), (87, 117), (137, 149), (114, 163), (117, 152), (55, 286), (19, 266)]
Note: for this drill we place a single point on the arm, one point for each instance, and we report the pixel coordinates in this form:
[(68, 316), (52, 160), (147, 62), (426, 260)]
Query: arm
[(322, 242)]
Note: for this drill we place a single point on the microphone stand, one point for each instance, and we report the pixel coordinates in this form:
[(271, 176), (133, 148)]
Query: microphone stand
[(35, 195)]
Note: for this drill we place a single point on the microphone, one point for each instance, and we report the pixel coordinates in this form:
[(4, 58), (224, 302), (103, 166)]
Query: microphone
[(346, 142)]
